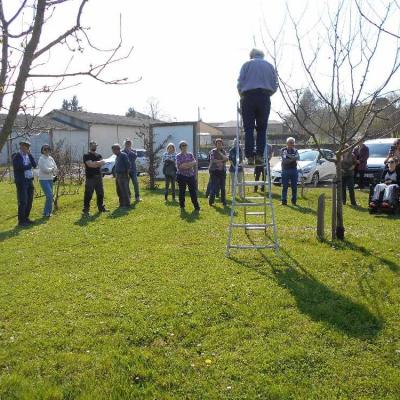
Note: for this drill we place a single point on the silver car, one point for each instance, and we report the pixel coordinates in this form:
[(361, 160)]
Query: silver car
[(312, 168)]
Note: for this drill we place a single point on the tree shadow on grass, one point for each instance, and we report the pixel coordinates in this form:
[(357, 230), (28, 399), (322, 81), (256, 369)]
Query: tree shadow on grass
[(303, 210), (317, 300), (347, 245)]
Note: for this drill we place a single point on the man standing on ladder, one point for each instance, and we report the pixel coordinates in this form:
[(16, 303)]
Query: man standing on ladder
[(257, 82)]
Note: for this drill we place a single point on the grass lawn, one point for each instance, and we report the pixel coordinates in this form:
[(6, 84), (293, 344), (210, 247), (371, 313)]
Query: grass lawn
[(145, 305)]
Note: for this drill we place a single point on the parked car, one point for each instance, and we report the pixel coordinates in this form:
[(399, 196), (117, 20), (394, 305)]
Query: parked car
[(203, 160), (312, 167), (142, 163), (108, 167), (378, 151)]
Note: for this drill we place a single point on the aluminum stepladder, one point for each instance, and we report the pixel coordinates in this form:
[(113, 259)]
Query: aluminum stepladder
[(258, 205)]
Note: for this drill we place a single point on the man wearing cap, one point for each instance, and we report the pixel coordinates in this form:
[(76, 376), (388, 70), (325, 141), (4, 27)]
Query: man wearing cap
[(121, 171), (257, 82), (94, 181), (132, 156), (23, 163)]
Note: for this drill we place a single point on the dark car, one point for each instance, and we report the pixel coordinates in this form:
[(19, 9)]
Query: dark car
[(203, 160)]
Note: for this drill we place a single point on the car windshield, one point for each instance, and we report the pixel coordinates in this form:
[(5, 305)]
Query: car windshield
[(378, 150), (308, 155), (141, 153)]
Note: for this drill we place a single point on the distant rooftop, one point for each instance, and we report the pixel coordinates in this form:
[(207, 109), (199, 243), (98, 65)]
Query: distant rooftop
[(30, 122), (232, 124), (106, 119)]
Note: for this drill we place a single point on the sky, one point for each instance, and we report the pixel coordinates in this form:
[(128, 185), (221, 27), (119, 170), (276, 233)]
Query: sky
[(186, 53)]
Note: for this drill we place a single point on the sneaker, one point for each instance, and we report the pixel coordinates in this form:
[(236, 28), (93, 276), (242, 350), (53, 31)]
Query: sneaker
[(23, 224), (85, 213), (138, 199), (372, 204), (103, 209), (294, 203), (284, 203), (385, 204)]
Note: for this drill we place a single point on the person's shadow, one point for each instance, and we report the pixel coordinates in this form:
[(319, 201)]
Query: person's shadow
[(189, 216), (320, 302)]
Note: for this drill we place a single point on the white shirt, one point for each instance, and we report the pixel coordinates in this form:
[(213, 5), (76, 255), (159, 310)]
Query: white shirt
[(47, 168)]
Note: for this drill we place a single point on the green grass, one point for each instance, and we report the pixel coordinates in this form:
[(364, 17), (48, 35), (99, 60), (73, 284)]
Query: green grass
[(144, 305)]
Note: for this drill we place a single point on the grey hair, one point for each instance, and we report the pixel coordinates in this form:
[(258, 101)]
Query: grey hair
[(170, 145), (255, 53), (290, 139)]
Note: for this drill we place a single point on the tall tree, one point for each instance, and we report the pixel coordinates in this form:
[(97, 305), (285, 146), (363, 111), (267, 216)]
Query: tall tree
[(71, 105), (337, 58), (24, 62)]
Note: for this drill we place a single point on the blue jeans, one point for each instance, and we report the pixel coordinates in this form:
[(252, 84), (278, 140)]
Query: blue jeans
[(256, 106), (292, 176), (133, 176), (218, 179), (47, 187)]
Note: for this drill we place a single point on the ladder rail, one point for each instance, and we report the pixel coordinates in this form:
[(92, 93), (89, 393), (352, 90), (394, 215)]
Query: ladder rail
[(246, 201)]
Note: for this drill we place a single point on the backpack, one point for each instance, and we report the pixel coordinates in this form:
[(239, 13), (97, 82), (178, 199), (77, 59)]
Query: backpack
[(169, 168)]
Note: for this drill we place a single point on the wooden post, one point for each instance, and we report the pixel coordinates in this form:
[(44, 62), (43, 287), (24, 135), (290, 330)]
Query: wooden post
[(321, 217)]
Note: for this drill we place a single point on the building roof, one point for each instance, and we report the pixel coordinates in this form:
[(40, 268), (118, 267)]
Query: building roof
[(104, 119), (29, 123), (232, 124)]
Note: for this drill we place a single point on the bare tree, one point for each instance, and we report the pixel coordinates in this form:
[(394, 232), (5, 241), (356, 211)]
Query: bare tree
[(337, 57), (146, 133), (22, 59)]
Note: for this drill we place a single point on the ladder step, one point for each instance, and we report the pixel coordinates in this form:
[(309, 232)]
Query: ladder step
[(255, 213), (249, 204), (241, 246), (252, 226), (251, 183)]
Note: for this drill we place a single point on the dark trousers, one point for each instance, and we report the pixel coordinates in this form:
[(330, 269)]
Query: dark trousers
[(348, 182), (25, 192), (256, 106), (217, 179), (361, 181), (292, 176), (190, 182), (134, 179), (94, 183), (170, 180), (258, 172), (123, 191)]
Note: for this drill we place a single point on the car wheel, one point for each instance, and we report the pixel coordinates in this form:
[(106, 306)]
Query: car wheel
[(315, 179)]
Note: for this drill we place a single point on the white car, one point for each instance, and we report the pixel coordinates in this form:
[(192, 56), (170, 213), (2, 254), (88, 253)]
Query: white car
[(142, 163), (378, 151), (108, 167), (312, 168)]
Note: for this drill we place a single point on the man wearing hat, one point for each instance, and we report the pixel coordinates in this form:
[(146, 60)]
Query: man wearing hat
[(121, 171), (23, 163), (94, 181)]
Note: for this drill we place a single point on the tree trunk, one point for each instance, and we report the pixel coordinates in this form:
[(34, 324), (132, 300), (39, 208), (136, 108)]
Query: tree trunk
[(23, 73), (321, 217), (339, 201), (334, 214)]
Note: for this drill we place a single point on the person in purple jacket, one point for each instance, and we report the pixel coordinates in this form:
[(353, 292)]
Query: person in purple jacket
[(361, 153), (186, 176), (23, 164)]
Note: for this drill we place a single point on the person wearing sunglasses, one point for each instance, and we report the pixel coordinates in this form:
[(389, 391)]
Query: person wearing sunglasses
[(186, 176), (47, 172), (384, 192)]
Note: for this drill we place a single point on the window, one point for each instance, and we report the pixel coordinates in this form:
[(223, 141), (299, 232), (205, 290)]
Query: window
[(378, 150), (309, 155)]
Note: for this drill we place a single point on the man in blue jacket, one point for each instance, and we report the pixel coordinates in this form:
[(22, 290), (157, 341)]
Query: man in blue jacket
[(23, 164), (121, 170), (256, 84)]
